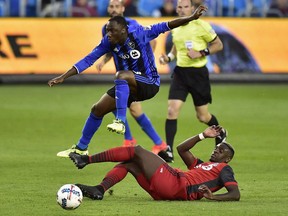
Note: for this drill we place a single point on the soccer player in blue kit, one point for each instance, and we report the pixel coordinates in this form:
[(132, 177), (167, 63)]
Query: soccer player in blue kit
[(136, 78), (117, 8)]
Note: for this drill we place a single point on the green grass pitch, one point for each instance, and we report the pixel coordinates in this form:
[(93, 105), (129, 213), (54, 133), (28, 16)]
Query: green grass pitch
[(37, 121)]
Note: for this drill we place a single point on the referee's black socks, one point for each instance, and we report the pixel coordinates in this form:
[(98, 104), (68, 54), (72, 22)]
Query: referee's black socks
[(213, 121)]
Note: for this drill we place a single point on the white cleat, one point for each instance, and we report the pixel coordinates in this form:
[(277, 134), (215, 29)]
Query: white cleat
[(66, 153), (117, 126)]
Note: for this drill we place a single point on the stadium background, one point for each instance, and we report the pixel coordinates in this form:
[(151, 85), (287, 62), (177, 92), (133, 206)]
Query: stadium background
[(37, 121), (33, 49)]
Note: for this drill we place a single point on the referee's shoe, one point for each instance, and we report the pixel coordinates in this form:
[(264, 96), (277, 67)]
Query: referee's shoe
[(167, 155), (222, 137)]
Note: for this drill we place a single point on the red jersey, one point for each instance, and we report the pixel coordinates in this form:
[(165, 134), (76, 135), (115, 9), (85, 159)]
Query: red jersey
[(169, 183), (214, 175)]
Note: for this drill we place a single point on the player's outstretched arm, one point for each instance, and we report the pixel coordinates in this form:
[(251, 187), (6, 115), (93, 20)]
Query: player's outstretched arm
[(106, 58), (183, 20), (233, 193), (62, 77), (165, 59)]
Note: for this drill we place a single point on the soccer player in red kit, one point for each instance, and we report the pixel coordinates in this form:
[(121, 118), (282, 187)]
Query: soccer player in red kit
[(162, 181)]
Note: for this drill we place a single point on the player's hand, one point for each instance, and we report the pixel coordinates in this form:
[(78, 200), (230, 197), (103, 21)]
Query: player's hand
[(193, 54), (100, 66), (163, 59), (198, 12), (207, 193), (212, 131), (55, 81)]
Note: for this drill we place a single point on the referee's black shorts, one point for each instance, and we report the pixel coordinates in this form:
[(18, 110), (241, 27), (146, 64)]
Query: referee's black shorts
[(191, 80)]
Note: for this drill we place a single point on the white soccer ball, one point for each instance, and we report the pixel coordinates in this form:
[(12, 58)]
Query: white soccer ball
[(69, 196)]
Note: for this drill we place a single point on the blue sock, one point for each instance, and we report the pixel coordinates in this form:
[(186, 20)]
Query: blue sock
[(127, 134), (148, 128), (121, 97), (91, 126)]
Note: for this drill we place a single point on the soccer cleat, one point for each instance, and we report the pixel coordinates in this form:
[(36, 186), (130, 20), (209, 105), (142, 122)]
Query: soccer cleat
[(117, 126), (128, 143), (167, 155), (222, 137), (79, 160), (157, 148), (74, 148), (91, 192)]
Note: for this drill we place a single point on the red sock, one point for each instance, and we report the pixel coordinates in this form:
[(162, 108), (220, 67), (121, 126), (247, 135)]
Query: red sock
[(117, 154), (114, 176)]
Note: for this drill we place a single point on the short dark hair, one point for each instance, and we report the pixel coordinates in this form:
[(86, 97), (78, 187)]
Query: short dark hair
[(119, 20), (231, 149)]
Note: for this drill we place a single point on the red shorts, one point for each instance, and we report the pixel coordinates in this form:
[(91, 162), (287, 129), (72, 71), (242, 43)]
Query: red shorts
[(168, 183)]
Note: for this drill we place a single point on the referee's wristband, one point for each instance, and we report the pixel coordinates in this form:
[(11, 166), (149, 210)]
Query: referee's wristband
[(171, 57), (201, 136), (204, 52)]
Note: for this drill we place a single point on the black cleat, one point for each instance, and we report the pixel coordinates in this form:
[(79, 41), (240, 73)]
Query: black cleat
[(222, 137), (91, 192), (79, 160), (167, 156)]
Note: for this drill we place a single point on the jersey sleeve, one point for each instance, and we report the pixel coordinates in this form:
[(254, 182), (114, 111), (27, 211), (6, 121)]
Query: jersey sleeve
[(227, 176), (132, 24), (148, 33), (209, 33), (196, 162), (96, 53)]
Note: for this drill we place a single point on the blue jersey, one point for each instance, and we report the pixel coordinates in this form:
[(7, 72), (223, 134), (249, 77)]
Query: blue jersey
[(135, 54), (131, 24)]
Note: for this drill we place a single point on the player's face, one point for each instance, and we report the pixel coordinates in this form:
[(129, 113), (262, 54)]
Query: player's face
[(184, 8), (220, 154), (115, 33), (115, 8)]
